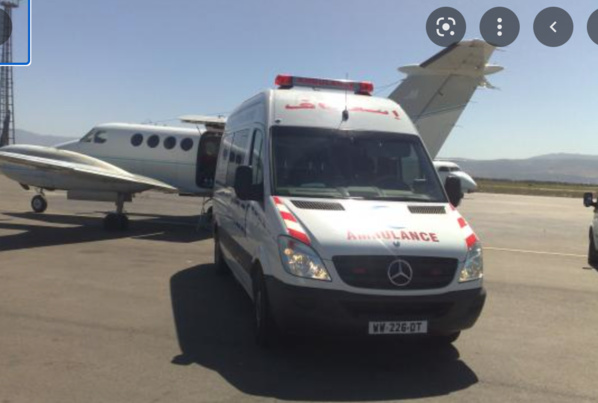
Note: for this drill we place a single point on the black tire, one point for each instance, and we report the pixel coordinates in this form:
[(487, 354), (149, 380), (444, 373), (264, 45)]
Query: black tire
[(441, 340), (111, 222), (592, 254), (265, 330), (219, 262), (39, 204), (123, 222), (116, 222)]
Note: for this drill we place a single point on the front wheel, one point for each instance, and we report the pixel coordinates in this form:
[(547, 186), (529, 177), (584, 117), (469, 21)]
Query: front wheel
[(592, 254)]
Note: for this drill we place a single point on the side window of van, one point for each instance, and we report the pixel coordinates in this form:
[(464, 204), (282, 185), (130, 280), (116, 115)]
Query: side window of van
[(232, 162), (222, 164), (256, 159), (236, 155)]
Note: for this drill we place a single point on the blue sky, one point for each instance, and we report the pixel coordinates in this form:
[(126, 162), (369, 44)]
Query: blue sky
[(154, 60)]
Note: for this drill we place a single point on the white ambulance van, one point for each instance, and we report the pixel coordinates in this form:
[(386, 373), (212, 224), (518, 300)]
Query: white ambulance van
[(329, 212)]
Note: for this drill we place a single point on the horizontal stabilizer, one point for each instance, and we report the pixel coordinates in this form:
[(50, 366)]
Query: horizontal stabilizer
[(212, 123)]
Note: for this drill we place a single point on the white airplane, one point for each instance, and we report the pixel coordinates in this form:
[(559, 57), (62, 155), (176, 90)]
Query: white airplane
[(115, 161), (447, 168)]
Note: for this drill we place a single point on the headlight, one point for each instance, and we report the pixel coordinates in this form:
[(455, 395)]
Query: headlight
[(300, 260), (473, 269)]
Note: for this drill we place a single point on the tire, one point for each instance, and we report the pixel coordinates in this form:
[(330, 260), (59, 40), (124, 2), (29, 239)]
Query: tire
[(442, 340), (123, 222), (116, 222), (219, 262), (39, 204), (265, 329), (592, 254)]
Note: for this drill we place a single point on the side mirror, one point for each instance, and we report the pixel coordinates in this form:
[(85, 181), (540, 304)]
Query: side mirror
[(244, 187), (452, 185), (588, 200)]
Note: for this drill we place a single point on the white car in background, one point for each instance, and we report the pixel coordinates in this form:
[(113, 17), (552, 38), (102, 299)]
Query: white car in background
[(446, 168)]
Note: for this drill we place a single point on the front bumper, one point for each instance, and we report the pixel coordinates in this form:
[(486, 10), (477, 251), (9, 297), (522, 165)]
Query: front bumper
[(313, 310)]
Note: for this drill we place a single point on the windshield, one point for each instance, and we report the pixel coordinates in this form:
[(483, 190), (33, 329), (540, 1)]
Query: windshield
[(328, 163)]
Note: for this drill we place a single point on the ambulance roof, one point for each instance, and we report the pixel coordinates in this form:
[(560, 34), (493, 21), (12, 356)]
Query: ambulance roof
[(302, 106)]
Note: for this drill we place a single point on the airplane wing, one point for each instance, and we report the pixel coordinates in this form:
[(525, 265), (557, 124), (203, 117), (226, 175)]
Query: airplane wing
[(74, 165), (435, 93)]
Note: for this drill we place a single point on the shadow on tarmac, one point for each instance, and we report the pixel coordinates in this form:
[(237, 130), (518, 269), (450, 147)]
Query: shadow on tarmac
[(75, 229), (213, 318)]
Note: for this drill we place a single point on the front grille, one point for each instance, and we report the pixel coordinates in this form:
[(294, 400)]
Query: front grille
[(398, 310), (427, 210), (372, 271), (316, 205)]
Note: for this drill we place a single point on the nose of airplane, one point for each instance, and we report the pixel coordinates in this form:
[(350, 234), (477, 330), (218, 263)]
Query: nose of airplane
[(467, 183), (69, 145)]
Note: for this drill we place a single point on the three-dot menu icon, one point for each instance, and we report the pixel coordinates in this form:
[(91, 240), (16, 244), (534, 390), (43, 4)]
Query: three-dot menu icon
[(499, 26)]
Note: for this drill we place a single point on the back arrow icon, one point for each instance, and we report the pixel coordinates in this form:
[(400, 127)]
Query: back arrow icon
[(552, 26)]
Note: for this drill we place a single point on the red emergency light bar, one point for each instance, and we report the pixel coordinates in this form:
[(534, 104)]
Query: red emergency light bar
[(358, 87)]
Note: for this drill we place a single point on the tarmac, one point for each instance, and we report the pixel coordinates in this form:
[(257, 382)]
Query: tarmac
[(141, 316)]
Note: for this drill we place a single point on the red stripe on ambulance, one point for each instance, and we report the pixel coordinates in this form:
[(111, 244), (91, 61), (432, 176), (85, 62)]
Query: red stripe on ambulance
[(470, 240), (294, 229)]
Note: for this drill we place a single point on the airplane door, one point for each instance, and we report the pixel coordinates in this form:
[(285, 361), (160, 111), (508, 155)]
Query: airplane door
[(207, 156)]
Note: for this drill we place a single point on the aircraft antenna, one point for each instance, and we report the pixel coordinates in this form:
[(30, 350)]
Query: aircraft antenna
[(7, 99)]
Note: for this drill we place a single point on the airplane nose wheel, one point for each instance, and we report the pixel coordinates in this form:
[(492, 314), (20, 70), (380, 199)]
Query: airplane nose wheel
[(39, 204)]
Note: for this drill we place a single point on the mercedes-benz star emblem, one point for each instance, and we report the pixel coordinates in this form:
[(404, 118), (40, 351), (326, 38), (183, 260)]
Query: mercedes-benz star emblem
[(400, 273)]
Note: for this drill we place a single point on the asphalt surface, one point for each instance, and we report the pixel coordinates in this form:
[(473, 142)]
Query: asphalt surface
[(91, 316)]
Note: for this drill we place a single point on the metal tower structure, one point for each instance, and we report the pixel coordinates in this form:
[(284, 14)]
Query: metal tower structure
[(7, 101)]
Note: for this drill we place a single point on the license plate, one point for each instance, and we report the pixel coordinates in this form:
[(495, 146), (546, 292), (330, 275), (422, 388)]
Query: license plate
[(410, 327)]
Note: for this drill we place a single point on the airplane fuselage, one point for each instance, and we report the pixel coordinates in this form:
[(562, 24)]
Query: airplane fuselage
[(179, 157)]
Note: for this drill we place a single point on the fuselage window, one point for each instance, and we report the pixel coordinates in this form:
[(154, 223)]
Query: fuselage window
[(137, 139), (187, 144), (99, 137), (169, 143), (153, 141)]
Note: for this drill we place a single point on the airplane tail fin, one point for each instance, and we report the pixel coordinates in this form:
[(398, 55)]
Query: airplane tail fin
[(435, 93), (4, 136)]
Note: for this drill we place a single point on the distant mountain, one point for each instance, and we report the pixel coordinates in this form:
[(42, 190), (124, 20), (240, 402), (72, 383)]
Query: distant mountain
[(569, 168), (27, 137)]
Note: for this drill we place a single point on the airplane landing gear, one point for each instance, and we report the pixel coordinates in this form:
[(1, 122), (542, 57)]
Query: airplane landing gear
[(39, 204), (117, 221)]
